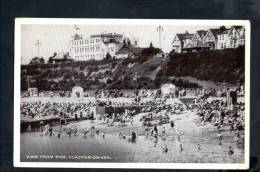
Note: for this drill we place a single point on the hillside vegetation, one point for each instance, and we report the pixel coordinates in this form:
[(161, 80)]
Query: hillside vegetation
[(144, 71)]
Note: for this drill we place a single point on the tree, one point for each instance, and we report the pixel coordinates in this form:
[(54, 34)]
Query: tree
[(108, 56), (151, 45), (124, 43), (50, 60), (41, 60), (222, 28)]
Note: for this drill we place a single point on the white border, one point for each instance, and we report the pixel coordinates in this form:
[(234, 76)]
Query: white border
[(55, 21)]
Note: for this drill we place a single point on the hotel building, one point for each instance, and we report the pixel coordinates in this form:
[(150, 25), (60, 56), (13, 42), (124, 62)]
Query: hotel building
[(95, 47)]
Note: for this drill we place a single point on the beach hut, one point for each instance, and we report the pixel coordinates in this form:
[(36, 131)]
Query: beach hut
[(168, 89), (77, 91), (32, 92)]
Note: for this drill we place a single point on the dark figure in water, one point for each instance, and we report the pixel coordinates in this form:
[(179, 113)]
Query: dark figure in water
[(165, 149), (172, 124), (230, 150), (69, 132), (29, 129), (133, 138), (220, 138), (50, 131), (181, 148), (199, 149), (80, 116), (59, 134)]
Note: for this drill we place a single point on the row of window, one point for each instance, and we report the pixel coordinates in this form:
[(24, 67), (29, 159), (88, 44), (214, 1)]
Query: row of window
[(234, 43), (85, 49), (90, 56), (87, 41), (89, 49)]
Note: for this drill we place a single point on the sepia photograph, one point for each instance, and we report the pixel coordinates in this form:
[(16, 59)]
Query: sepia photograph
[(132, 93)]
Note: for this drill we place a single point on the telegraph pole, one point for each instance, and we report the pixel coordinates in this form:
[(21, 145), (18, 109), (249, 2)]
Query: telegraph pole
[(38, 44), (160, 30)]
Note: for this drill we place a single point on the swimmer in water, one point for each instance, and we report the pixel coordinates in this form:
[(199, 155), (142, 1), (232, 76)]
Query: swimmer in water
[(181, 148), (120, 135), (198, 147), (220, 138), (230, 150), (165, 149), (103, 135), (59, 134)]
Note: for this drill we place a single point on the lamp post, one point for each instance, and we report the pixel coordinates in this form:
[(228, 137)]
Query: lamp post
[(160, 30), (38, 44)]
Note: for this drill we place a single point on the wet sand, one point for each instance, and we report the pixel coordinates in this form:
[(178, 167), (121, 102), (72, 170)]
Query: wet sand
[(114, 149)]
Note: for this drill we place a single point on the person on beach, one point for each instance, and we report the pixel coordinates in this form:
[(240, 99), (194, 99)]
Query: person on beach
[(172, 124), (120, 135), (155, 129), (151, 132), (146, 131), (69, 132), (50, 131), (29, 129), (85, 132), (178, 135), (133, 137), (131, 120), (163, 131), (75, 130), (155, 140), (103, 135)]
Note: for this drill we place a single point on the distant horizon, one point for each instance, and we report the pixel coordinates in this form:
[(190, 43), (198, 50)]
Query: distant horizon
[(55, 38)]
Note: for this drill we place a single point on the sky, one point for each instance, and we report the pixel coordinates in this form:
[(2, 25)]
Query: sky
[(55, 38)]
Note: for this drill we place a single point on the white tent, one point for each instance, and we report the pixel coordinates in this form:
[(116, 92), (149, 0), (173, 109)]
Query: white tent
[(32, 91), (77, 91), (168, 89)]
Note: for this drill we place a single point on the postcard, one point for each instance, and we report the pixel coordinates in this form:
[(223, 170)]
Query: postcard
[(132, 93)]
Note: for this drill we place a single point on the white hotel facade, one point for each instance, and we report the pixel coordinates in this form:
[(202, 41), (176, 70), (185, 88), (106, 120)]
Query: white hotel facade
[(95, 47)]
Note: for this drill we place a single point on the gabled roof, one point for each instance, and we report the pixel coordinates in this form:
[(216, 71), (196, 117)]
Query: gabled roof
[(237, 28), (214, 32), (61, 56), (183, 36), (201, 33)]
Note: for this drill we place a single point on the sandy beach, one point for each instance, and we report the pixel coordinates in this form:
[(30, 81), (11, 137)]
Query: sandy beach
[(120, 150)]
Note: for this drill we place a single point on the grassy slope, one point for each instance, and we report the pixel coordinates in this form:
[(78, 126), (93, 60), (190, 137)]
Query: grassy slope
[(217, 66)]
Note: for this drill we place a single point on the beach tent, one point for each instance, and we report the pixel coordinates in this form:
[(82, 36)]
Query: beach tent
[(77, 91), (168, 89), (32, 91)]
